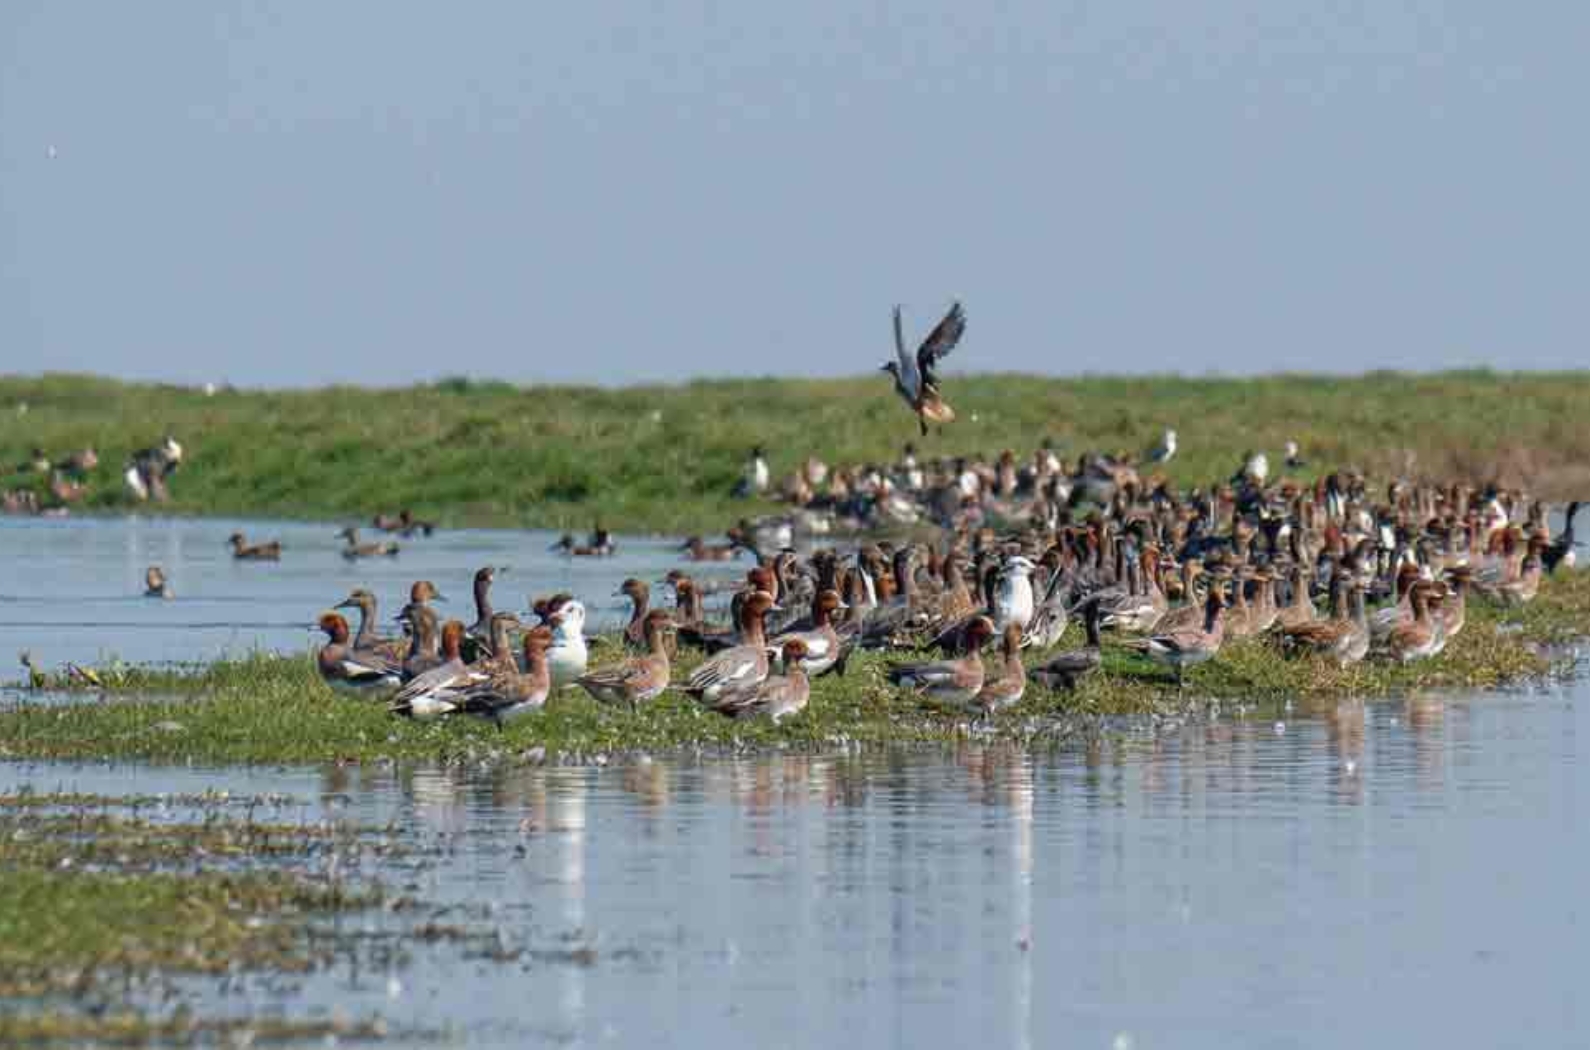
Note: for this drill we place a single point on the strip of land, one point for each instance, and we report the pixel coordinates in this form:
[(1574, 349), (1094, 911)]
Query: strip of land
[(664, 459), (275, 709)]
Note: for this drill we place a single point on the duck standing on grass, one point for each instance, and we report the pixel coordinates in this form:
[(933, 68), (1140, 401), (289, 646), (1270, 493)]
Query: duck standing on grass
[(740, 665), (437, 692), (639, 679), (1068, 669), (1005, 687), (508, 693), (347, 671), (914, 377), (1191, 646), (777, 696), (950, 682)]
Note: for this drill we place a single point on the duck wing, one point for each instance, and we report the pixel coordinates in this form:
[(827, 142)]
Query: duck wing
[(945, 335)]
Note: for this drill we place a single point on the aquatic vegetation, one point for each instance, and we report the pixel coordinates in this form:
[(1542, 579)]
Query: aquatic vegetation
[(272, 709), (666, 458)]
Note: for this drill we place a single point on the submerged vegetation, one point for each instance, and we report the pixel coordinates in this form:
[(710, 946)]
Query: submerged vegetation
[(276, 709), (665, 458)]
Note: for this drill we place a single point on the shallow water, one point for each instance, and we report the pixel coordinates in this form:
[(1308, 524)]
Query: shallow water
[(1397, 873), (72, 589)]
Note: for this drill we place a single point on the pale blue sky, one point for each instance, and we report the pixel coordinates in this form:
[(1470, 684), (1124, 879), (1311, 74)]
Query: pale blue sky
[(301, 192)]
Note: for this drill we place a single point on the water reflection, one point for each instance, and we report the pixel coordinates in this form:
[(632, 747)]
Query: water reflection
[(1272, 872)]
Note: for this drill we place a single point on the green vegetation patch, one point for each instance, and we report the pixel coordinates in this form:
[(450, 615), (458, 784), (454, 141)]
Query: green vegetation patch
[(664, 458)]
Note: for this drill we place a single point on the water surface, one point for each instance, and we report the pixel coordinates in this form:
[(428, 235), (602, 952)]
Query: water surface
[(1402, 873), (72, 588)]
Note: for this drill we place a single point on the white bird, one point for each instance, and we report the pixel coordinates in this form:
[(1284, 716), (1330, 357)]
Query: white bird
[(1165, 450), (568, 655), (1013, 601)]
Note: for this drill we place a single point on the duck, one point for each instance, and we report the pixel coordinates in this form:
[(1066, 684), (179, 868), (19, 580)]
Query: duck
[(639, 595), (599, 546), (1005, 687), (951, 682), (355, 550), (1560, 551), (155, 583), (245, 551), (479, 632), (914, 377), (1067, 670), (366, 639), (1417, 638), (1191, 646), (740, 665), (821, 647), (637, 679), (776, 697), (439, 691), (697, 549), (508, 693), (425, 648), (348, 671)]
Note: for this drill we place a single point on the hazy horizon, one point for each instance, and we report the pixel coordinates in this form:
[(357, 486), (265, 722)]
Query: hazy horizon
[(388, 194)]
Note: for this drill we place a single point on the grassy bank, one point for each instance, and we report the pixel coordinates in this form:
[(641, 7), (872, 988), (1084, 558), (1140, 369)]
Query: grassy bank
[(664, 458), (273, 709)]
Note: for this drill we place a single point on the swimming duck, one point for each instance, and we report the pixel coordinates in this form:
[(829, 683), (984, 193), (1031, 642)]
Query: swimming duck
[(155, 583), (914, 377), (697, 549), (638, 679), (245, 551), (508, 693), (777, 696), (599, 546), (348, 671), (438, 692), (355, 550)]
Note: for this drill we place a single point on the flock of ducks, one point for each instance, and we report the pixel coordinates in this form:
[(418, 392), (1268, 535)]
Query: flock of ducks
[(1174, 575), (64, 480)]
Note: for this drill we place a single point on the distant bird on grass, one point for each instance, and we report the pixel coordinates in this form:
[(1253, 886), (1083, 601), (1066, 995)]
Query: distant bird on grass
[(1163, 452), (914, 377)]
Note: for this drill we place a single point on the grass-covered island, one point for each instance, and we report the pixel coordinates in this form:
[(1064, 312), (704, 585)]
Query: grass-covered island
[(663, 459), (269, 709)]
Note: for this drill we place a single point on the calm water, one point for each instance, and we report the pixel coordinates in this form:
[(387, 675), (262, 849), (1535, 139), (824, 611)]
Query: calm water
[(1398, 874), (72, 589)]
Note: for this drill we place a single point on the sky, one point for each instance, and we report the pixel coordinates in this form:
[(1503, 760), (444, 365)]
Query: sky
[(301, 192)]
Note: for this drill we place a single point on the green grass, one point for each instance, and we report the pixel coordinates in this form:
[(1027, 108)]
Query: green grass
[(664, 458), (275, 710)]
